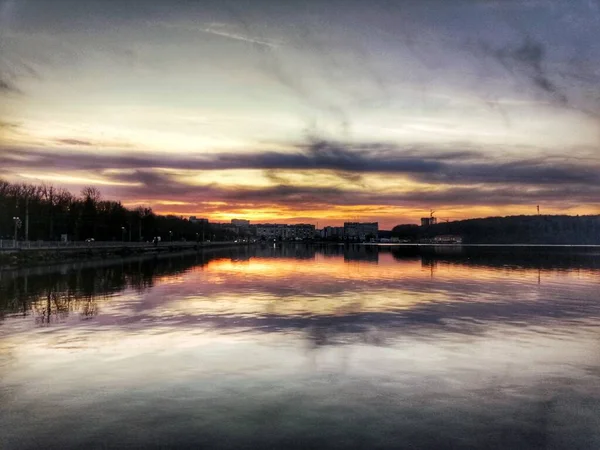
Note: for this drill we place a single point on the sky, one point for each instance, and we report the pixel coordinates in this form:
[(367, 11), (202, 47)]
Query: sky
[(307, 111)]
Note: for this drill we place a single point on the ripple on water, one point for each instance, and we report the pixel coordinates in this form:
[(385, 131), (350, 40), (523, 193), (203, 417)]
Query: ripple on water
[(300, 348)]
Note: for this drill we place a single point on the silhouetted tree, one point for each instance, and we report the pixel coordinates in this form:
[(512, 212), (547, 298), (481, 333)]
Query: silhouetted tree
[(54, 211)]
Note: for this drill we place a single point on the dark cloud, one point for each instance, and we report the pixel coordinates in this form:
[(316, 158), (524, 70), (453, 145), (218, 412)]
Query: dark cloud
[(315, 155), (8, 125), (562, 82), (524, 58), (8, 87), (76, 142), (529, 58), (540, 172), (161, 186), (466, 167)]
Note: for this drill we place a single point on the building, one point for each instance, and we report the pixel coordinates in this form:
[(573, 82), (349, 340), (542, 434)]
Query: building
[(300, 231), (361, 231), (426, 221), (333, 232), (270, 231), (295, 232), (194, 219), (240, 223)]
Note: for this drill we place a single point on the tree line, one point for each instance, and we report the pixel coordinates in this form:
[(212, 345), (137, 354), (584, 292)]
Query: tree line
[(46, 212), (540, 229)]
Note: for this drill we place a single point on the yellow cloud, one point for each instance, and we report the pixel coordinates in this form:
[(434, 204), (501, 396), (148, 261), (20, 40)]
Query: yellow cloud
[(72, 179)]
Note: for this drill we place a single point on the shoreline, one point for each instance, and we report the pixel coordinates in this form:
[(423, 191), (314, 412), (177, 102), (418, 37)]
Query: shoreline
[(14, 259), (423, 244)]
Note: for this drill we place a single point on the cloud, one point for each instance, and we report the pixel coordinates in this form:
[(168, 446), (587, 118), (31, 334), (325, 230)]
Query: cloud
[(562, 83), (8, 125), (424, 164), (460, 177), (276, 66), (76, 142), (219, 31), (513, 4), (8, 88), (162, 186), (529, 58)]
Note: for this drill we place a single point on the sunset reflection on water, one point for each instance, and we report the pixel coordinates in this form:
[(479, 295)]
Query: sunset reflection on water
[(450, 347)]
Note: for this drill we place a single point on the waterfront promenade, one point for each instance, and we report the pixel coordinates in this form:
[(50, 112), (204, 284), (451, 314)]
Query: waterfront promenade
[(9, 245)]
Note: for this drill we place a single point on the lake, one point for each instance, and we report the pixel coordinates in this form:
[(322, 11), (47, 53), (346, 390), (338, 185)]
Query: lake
[(304, 346)]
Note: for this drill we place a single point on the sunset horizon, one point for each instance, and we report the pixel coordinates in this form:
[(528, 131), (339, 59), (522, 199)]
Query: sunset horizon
[(300, 224), (306, 112)]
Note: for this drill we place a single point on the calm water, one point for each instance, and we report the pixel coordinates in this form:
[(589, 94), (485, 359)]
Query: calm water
[(305, 347)]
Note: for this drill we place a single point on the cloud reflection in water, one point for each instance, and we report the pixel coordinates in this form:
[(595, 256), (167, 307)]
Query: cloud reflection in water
[(305, 346)]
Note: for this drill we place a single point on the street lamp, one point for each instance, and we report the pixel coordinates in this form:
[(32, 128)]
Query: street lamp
[(170, 236), (123, 234), (17, 226), (197, 236)]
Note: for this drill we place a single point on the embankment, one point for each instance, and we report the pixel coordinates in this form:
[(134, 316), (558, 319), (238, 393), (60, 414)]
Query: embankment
[(35, 257)]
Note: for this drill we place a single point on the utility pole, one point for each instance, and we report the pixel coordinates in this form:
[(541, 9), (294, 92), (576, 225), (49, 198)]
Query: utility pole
[(26, 219), (538, 209)]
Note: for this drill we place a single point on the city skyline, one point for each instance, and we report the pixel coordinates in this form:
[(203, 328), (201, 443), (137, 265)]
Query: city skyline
[(306, 111)]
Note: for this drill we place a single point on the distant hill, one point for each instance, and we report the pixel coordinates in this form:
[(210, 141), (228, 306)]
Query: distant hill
[(543, 229)]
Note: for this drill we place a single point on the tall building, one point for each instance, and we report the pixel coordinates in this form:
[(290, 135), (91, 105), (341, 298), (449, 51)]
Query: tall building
[(426, 221), (361, 231)]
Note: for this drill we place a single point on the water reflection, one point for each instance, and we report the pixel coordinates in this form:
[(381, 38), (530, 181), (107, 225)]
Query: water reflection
[(328, 289), (306, 346)]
